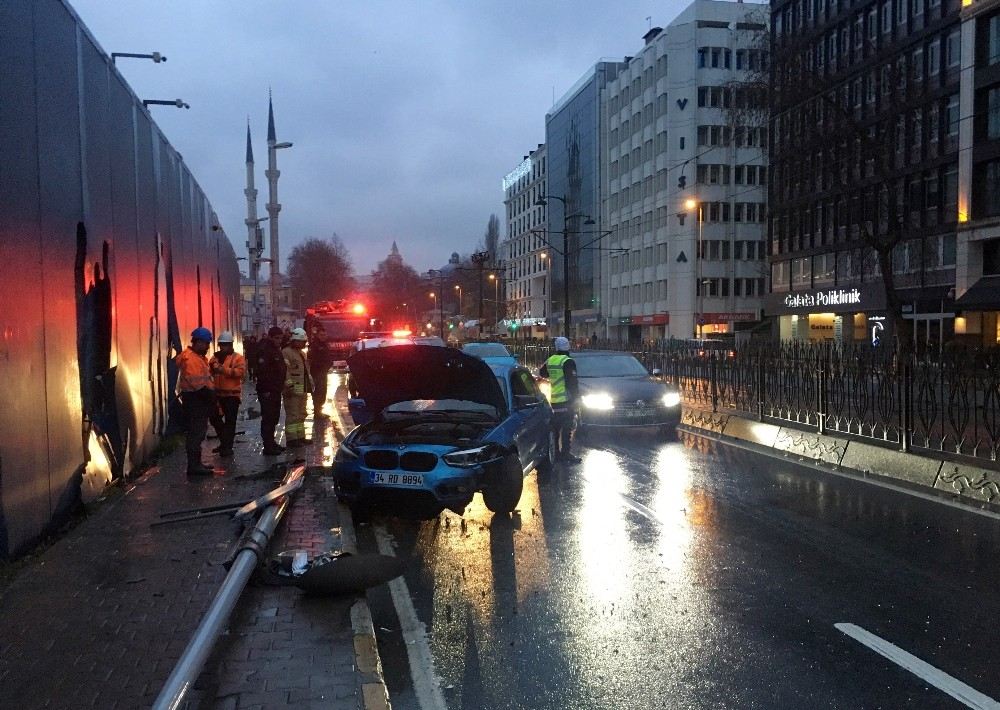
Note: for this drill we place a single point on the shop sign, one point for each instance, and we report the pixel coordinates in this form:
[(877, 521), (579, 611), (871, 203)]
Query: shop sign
[(829, 297), (727, 317)]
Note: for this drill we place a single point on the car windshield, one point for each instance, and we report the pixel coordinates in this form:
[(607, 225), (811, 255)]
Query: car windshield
[(486, 350), (608, 366)]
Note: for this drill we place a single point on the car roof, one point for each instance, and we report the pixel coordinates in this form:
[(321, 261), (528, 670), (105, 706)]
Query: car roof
[(596, 353)]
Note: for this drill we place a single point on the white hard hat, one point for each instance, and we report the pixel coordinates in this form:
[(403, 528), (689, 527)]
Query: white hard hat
[(225, 337), (298, 334), (562, 344)]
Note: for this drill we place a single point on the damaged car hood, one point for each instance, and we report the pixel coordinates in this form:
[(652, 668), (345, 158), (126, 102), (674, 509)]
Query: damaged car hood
[(408, 373)]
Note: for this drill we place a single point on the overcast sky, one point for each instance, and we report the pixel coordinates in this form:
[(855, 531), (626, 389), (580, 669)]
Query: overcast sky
[(404, 116)]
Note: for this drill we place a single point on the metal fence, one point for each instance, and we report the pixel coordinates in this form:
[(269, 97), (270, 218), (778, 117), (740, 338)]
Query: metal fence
[(946, 404)]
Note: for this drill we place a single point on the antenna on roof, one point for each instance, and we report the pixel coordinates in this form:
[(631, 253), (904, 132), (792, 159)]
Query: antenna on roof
[(649, 22)]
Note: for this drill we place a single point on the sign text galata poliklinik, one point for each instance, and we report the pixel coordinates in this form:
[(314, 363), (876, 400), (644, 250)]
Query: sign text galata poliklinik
[(833, 297)]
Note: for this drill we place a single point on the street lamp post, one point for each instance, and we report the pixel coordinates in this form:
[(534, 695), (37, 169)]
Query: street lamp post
[(155, 56), (699, 324), (459, 289), (436, 273), (496, 302), (479, 259), (179, 103)]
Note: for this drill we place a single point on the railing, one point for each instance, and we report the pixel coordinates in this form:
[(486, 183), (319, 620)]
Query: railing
[(948, 403)]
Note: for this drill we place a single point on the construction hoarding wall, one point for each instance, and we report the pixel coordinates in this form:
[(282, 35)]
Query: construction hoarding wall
[(110, 255)]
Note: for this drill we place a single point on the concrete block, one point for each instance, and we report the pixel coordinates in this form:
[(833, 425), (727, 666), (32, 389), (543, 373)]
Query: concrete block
[(811, 445), (868, 458), (979, 484), (751, 431), (704, 419)]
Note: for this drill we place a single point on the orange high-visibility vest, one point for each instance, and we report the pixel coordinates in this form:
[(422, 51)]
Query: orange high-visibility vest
[(193, 372), (229, 374)]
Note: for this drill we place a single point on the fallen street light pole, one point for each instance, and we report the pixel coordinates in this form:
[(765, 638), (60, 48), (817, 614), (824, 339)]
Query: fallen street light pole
[(248, 554)]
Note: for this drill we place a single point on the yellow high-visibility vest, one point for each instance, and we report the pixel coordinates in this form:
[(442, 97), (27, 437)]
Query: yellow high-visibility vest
[(557, 379)]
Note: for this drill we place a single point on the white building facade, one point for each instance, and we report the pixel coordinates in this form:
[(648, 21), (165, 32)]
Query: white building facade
[(682, 141), (525, 270)]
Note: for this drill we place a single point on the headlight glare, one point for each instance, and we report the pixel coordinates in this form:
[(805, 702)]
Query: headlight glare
[(671, 399), (598, 400)]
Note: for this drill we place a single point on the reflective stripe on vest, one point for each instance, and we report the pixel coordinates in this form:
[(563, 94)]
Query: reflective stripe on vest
[(557, 379)]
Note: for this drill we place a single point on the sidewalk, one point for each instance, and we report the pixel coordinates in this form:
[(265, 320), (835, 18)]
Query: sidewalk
[(925, 472), (100, 618)]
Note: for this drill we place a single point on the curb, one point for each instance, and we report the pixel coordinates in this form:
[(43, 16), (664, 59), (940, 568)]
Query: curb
[(374, 692), (960, 485)]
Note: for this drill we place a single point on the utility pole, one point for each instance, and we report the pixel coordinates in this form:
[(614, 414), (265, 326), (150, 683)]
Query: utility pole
[(479, 259), (567, 311)]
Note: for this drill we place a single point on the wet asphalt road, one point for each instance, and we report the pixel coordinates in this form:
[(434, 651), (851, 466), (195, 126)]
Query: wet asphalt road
[(695, 575)]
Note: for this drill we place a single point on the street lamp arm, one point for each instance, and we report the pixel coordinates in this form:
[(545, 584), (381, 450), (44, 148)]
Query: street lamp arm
[(596, 239)]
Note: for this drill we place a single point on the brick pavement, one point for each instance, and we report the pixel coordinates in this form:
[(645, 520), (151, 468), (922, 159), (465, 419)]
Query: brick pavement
[(100, 618)]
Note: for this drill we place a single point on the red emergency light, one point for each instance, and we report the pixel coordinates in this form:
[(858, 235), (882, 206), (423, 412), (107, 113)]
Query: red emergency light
[(359, 309)]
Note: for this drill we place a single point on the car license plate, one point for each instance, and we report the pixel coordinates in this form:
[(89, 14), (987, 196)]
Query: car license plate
[(636, 413), (404, 480)]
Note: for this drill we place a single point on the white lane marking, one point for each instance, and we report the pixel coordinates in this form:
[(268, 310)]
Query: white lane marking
[(968, 696), (425, 681)]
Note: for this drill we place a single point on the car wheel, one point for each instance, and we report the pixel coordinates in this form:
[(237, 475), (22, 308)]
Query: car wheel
[(504, 490), (548, 461)]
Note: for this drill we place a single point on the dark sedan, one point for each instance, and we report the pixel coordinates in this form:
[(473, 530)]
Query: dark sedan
[(617, 391)]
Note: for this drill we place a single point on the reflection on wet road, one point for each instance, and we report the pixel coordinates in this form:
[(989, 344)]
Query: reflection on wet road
[(692, 575)]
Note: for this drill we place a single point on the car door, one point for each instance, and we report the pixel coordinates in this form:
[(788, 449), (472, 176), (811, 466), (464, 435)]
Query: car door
[(532, 425)]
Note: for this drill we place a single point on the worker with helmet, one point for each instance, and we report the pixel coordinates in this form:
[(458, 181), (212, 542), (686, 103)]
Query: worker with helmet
[(298, 387), (228, 368), (271, 371), (196, 388), (564, 394)]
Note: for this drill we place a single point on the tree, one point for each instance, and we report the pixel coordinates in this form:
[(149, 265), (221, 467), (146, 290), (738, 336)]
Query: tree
[(492, 237), (320, 270), (397, 290)]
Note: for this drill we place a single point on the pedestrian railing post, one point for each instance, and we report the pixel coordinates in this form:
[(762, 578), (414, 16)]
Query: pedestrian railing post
[(761, 374), (821, 393), (714, 379), (906, 405)]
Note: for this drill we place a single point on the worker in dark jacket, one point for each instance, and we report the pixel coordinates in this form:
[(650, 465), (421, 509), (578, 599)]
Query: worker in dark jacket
[(320, 362), (270, 384), (564, 396)]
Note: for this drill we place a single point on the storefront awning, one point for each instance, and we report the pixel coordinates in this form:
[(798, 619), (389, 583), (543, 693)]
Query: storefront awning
[(984, 294)]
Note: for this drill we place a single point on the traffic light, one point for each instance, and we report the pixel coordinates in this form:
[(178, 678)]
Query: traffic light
[(682, 182)]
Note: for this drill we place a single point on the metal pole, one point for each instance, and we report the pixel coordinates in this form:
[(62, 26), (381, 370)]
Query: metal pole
[(700, 326), (567, 312), (441, 305), (199, 648)]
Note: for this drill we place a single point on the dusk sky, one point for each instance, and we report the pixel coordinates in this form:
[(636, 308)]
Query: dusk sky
[(404, 115)]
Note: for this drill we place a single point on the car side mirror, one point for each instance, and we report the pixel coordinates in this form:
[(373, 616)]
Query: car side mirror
[(525, 401), (359, 411), (657, 372)]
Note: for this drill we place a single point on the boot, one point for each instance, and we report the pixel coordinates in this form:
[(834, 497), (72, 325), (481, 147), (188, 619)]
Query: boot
[(199, 470), (272, 450)]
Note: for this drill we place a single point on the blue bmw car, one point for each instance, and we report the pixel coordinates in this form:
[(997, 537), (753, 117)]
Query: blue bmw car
[(441, 426)]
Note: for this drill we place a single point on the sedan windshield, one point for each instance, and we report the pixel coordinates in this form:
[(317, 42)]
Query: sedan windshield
[(486, 350), (609, 366)]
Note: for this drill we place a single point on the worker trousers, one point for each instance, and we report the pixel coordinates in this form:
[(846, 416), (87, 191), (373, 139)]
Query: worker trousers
[(197, 408), (564, 425), (270, 413), (224, 421), (295, 417), (319, 391)]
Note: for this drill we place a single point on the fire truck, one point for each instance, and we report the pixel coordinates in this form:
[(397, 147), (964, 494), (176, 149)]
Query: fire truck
[(343, 321)]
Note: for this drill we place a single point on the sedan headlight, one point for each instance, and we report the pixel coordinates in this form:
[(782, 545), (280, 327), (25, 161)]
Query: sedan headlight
[(598, 400), (671, 399), (467, 458), (345, 452)]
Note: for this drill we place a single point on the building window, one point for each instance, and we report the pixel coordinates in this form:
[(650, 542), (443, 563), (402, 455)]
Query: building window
[(993, 113), (993, 41), (950, 197), (987, 198), (953, 50)]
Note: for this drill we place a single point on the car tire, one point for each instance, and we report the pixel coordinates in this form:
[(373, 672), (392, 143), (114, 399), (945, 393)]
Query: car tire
[(548, 461), (504, 490)]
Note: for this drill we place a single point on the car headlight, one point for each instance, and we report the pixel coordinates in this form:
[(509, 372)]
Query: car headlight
[(466, 458), (671, 399), (345, 452), (598, 400)]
